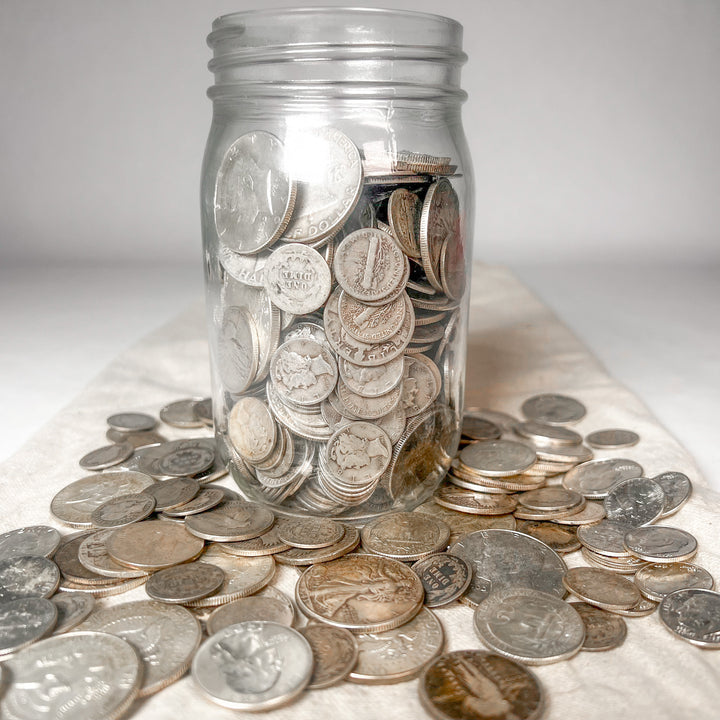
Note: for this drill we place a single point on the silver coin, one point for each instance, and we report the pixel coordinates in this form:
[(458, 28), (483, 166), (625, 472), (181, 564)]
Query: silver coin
[(27, 576), (594, 479), (358, 453), (638, 501), (106, 456), (393, 424), (247, 269), (603, 630), (300, 556), (399, 654), (310, 532), (503, 559), (303, 371), (123, 510), (306, 331), (186, 461), (181, 413), (405, 536), (560, 539), (479, 428), (256, 607), (693, 615), (605, 538), (183, 583), (93, 555), (529, 626), (207, 498), (553, 409), (551, 498), (368, 408), (72, 609), (40, 540), (166, 460), (23, 621), (622, 565), (131, 422), (444, 577), (252, 429), (642, 609), (420, 386), (498, 458), (268, 543), (677, 488), (139, 439), (255, 665), (297, 279), (403, 211), (657, 580), (334, 651), (371, 323), (169, 494), (612, 439), (374, 380), (602, 588), (547, 434), (439, 220), (164, 636), (238, 349), (254, 194), (658, 544), (231, 521), (592, 513)]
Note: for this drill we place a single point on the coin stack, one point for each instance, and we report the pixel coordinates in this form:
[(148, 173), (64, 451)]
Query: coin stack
[(337, 304)]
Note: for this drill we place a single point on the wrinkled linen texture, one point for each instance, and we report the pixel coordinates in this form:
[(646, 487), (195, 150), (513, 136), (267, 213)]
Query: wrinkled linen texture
[(516, 348)]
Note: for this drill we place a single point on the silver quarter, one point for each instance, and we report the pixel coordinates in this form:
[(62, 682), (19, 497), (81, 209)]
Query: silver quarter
[(657, 580), (659, 544), (594, 479), (40, 540), (612, 439), (27, 576), (638, 501), (123, 510), (72, 609), (444, 577), (23, 621), (677, 488), (107, 456), (693, 615)]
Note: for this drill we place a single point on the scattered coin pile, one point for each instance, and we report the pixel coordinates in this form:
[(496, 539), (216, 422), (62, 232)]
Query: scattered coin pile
[(207, 559), (338, 299)]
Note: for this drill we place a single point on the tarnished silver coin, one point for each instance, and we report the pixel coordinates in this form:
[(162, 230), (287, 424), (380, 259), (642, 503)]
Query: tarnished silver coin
[(444, 577), (334, 651), (366, 408), (187, 461), (131, 422), (23, 621), (116, 587), (358, 453), (605, 538), (310, 532), (247, 269), (479, 428), (551, 497), (123, 510), (693, 615), (268, 543), (254, 193), (184, 583), (636, 502), (405, 536), (657, 580), (529, 626), (462, 523), (230, 521), (498, 458), (677, 488), (107, 456), (439, 220), (94, 674), (238, 349), (553, 409), (560, 539), (303, 371), (72, 609), (602, 588), (297, 279), (503, 559), (371, 323), (399, 654), (32, 540), (603, 630), (644, 608), (255, 665), (170, 459), (374, 380), (181, 413), (592, 513), (659, 544), (207, 498), (622, 565), (170, 494), (27, 576), (92, 553), (164, 636), (612, 439), (252, 429), (421, 384), (139, 439), (300, 556), (255, 607), (75, 503), (67, 558), (470, 501), (545, 434), (403, 214), (594, 479)]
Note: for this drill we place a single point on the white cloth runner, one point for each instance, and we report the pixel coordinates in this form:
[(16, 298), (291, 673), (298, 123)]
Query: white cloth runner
[(517, 348)]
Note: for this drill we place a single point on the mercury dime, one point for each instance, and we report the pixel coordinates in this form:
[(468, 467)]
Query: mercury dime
[(254, 194), (693, 615), (658, 544), (677, 488), (470, 684), (503, 559), (334, 651), (638, 501), (297, 279), (207, 498), (439, 220), (33, 540), (606, 538), (75, 503), (253, 666), (358, 453), (603, 630), (363, 593), (23, 621), (72, 609), (256, 607), (170, 494), (106, 456), (470, 501), (310, 532), (232, 520), (403, 212), (252, 429), (306, 331), (164, 636), (444, 577), (300, 556), (658, 580), (405, 536), (553, 409), (612, 439), (370, 323), (26, 576), (602, 588), (132, 422), (303, 371), (365, 407), (421, 385), (498, 458), (95, 674), (123, 510), (93, 555), (238, 349), (595, 478), (560, 539), (371, 381)]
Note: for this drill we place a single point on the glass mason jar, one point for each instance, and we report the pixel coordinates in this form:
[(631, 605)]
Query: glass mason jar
[(337, 212)]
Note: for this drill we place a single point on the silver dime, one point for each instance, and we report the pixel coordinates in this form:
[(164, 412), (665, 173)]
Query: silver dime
[(498, 458), (106, 456), (371, 381), (72, 609), (95, 674), (421, 385), (504, 559), (238, 350), (207, 498), (254, 194), (368, 408), (181, 413), (256, 607), (297, 279), (444, 577), (658, 544), (123, 510), (26, 576), (334, 651), (93, 555), (164, 636), (255, 665), (371, 323), (439, 220), (306, 331), (638, 501), (693, 615), (553, 409), (612, 439), (303, 371), (33, 540), (405, 536), (131, 422), (529, 626), (183, 583), (169, 494), (601, 587), (358, 453), (403, 213), (232, 520), (310, 532), (594, 479), (677, 488), (24, 621), (657, 580), (252, 429), (603, 630)]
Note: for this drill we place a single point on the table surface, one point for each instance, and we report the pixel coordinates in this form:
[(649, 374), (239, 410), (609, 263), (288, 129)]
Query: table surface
[(655, 328)]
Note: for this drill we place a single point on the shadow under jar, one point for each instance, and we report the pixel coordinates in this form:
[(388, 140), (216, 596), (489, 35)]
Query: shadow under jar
[(337, 211)]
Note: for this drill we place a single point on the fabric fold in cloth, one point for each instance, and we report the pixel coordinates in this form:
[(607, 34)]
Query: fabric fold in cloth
[(516, 348)]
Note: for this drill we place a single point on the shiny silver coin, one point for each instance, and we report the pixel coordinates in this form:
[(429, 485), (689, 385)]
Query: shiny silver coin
[(246, 269), (23, 621), (545, 434), (693, 615), (132, 422), (612, 439), (72, 609), (602, 588), (170, 494), (27, 576), (106, 456), (255, 665), (303, 371), (309, 532), (503, 559), (231, 521), (207, 498), (636, 502), (603, 630), (123, 510), (553, 409), (605, 538), (181, 413), (335, 653), (657, 580), (594, 479), (93, 555), (117, 587), (405, 536), (184, 583), (677, 488), (254, 608), (40, 540), (659, 544), (439, 220), (444, 577), (254, 194), (529, 626), (498, 458)]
